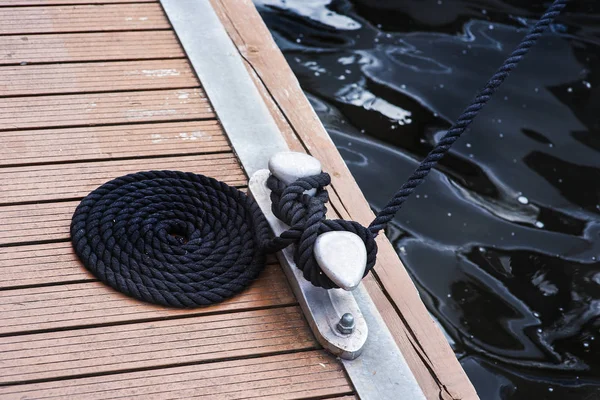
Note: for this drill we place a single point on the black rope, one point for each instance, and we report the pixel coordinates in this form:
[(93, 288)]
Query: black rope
[(171, 238), (306, 216), (439, 151), (184, 240)]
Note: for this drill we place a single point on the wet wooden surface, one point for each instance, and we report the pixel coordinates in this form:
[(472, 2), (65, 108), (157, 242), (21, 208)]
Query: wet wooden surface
[(91, 90)]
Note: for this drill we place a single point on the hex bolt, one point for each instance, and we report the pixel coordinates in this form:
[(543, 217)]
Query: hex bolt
[(346, 324)]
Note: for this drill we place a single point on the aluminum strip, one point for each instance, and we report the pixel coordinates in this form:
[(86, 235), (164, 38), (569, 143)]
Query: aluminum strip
[(381, 371)]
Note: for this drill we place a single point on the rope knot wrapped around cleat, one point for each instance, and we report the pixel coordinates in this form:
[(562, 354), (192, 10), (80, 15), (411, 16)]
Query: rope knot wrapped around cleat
[(306, 216)]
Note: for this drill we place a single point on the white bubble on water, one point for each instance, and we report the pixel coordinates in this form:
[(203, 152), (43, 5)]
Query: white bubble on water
[(523, 200)]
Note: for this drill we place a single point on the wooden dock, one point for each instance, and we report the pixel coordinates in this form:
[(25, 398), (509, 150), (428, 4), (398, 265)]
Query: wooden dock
[(94, 89)]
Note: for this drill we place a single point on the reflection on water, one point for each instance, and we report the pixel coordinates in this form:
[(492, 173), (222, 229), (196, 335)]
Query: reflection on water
[(503, 239)]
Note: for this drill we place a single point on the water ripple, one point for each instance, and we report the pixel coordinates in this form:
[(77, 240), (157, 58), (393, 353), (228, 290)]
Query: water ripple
[(503, 240)]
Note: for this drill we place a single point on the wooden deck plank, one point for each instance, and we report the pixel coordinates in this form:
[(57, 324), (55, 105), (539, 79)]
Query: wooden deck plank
[(36, 222), (76, 180), (40, 264), (103, 108), (77, 305), (95, 77), (72, 47), (319, 385), (58, 342), (14, 3), (108, 142), (52, 263), (284, 376), (82, 18), (151, 344)]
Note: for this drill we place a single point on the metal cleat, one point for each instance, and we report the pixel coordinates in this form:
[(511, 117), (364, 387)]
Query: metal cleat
[(324, 309)]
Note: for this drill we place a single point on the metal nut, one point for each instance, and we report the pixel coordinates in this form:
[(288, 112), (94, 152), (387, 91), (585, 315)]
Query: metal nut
[(346, 324)]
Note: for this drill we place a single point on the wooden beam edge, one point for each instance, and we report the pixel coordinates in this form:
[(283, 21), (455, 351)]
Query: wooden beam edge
[(423, 344)]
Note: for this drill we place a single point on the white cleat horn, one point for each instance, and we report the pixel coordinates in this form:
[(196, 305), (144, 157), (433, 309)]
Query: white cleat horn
[(342, 256), (289, 166)]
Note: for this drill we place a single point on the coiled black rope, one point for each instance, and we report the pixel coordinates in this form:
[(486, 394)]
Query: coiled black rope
[(184, 240), (171, 238)]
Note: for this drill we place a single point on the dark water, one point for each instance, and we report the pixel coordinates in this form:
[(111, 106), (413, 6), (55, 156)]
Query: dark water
[(503, 241)]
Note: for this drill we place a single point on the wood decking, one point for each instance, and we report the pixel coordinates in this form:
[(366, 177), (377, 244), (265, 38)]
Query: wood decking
[(94, 89), (89, 93)]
